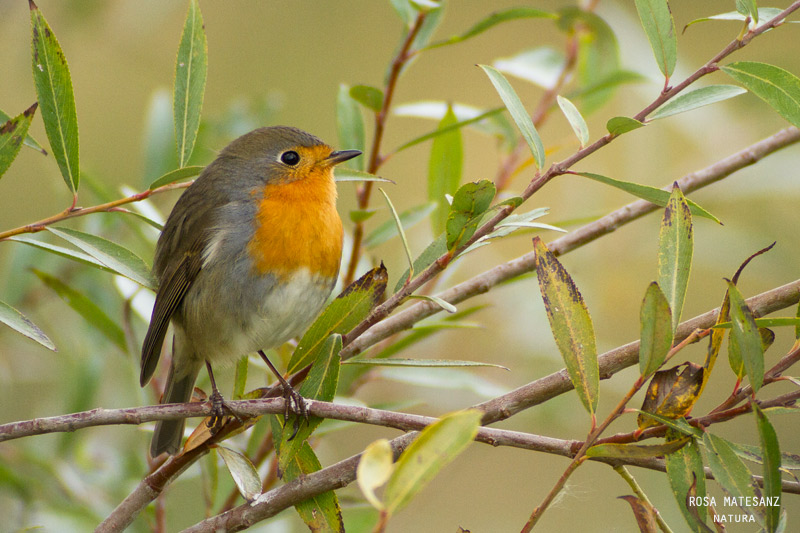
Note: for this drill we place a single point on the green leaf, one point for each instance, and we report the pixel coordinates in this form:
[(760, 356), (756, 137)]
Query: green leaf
[(695, 99), (444, 169), (369, 97), (729, 471), (321, 512), (684, 469), (571, 325), (490, 122), (636, 451), (620, 125), (374, 469), (745, 338), (402, 233), (244, 474), (20, 323), (653, 195), (598, 56), (53, 85), (680, 425), (518, 113), (319, 385), (361, 215), (12, 134), (772, 464), (342, 314), (435, 447), (191, 69), (576, 121), (86, 308), (344, 174), (675, 245), (764, 13), (75, 255), (656, 330), (541, 66), (748, 8), (789, 461), (776, 86), (429, 363), (121, 260), (28, 141), (432, 252), (176, 175), (494, 19), (350, 126), (660, 30), (470, 201), (388, 229)]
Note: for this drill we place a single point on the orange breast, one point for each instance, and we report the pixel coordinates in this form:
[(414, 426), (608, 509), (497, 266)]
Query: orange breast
[(297, 226)]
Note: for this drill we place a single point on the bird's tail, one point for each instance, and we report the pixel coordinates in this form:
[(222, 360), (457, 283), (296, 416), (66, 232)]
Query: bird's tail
[(168, 433)]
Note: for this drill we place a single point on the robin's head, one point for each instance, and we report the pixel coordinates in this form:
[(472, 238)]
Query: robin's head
[(282, 155)]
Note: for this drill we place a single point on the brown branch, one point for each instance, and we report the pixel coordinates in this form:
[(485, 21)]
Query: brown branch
[(376, 159), (375, 330)]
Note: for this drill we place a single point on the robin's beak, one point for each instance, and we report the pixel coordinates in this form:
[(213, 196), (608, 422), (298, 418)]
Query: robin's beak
[(340, 156)]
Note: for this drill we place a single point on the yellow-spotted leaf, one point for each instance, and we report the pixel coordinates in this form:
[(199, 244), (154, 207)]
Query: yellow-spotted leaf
[(672, 393), (435, 447), (675, 246), (12, 134), (571, 324)]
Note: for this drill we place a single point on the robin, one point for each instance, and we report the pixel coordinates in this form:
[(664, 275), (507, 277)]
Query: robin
[(247, 258)]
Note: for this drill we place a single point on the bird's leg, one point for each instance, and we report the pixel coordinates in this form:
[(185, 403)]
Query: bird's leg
[(218, 403), (290, 396)]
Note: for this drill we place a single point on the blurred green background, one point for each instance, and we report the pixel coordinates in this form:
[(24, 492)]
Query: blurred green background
[(281, 62)]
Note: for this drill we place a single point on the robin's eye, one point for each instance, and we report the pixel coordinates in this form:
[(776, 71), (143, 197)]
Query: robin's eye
[(290, 158)]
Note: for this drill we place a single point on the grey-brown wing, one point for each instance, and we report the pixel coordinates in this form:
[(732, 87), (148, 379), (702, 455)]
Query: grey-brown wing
[(169, 296)]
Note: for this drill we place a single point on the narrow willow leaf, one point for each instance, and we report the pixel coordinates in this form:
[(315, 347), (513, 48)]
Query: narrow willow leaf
[(408, 218), (28, 141), (240, 378), (672, 393), (776, 86), (12, 134), (698, 98), (620, 125), (435, 447), (772, 464), (432, 252), (53, 84), (684, 471), (541, 66), (191, 70), (490, 122), (430, 363), (660, 30), (75, 255), (244, 474), (656, 330), (374, 469), (644, 513), (342, 314), (675, 245), (494, 19), (576, 121), (112, 255), (361, 215), (470, 201), (20, 323), (764, 13), (320, 384), (745, 338), (86, 308), (176, 175), (518, 113), (369, 97), (764, 322), (401, 232), (680, 425), (321, 512), (571, 324), (350, 126), (343, 174), (444, 169), (450, 308), (729, 470), (636, 451)]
